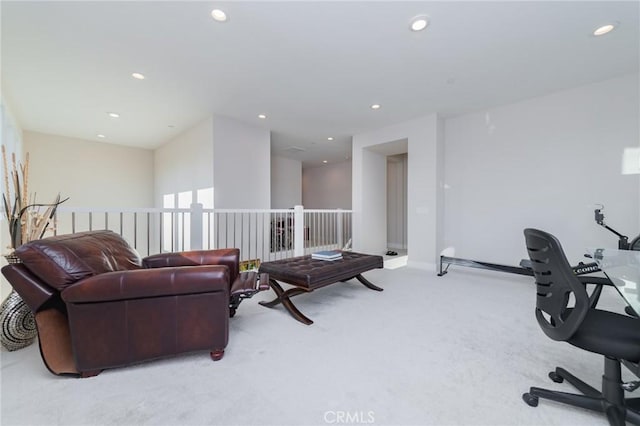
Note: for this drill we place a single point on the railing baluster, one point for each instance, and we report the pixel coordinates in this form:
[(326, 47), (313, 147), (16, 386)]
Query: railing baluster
[(281, 234), (148, 233), (217, 222), (135, 230), (209, 230), (173, 222), (241, 233), (161, 232), (182, 221), (315, 229)]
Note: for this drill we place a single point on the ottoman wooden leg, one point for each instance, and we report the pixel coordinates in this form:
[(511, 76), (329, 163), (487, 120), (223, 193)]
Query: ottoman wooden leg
[(284, 297), (367, 283)]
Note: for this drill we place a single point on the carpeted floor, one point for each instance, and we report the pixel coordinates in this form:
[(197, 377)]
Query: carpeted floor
[(455, 350)]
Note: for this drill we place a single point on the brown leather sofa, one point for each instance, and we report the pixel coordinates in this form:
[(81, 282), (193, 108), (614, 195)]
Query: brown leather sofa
[(98, 305)]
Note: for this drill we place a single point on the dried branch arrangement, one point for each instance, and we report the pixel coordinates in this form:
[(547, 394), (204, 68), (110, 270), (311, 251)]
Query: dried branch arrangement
[(27, 219)]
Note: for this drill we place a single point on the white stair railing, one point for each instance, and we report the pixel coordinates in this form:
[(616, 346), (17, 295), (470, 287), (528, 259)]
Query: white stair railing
[(260, 234)]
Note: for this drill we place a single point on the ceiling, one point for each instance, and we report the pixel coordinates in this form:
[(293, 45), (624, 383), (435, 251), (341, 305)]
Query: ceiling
[(314, 68)]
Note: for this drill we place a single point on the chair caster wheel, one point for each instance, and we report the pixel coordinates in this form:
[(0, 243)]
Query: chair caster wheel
[(556, 377), (531, 400)]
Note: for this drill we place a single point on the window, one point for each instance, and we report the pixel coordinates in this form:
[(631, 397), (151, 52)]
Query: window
[(177, 225)]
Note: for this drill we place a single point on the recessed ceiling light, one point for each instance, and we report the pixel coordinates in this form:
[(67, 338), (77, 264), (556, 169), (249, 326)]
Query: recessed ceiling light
[(113, 114), (137, 75), (419, 23), (101, 136), (325, 161), (375, 106), (219, 15), (603, 29), (262, 116), (329, 138)]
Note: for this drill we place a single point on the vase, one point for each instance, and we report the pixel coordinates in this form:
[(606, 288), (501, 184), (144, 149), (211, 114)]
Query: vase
[(16, 319)]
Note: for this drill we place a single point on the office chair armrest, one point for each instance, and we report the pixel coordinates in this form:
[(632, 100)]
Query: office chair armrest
[(634, 367), (595, 295), (599, 282), (585, 279)]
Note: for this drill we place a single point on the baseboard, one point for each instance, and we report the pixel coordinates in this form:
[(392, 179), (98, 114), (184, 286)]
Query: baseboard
[(395, 262), (426, 266)]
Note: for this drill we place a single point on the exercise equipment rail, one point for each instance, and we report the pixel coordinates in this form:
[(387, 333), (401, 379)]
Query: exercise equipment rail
[(525, 267)]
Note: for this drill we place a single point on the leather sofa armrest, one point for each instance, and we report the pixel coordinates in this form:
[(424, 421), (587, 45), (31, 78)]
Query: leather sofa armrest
[(145, 283), (32, 290), (192, 258), (229, 257)]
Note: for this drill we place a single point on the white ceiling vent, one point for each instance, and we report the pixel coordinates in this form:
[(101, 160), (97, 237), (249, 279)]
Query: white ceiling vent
[(294, 149)]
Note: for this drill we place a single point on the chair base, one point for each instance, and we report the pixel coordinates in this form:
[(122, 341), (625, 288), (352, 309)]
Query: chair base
[(610, 401)]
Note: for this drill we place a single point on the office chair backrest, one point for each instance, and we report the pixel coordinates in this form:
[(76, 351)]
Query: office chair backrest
[(555, 282)]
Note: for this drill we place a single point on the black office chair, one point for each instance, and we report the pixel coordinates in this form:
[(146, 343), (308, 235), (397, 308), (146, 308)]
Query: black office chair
[(615, 336)]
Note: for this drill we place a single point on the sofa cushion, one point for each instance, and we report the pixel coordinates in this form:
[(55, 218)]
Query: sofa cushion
[(64, 259)]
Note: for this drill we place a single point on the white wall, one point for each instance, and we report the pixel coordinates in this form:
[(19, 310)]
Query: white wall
[(370, 219), (91, 174), (242, 175), (423, 185), (11, 138), (286, 182), (543, 163), (10, 131), (327, 186), (228, 155), (397, 201), (186, 162)]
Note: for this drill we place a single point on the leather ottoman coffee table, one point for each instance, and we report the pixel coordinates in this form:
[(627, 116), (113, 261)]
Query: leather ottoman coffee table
[(306, 275)]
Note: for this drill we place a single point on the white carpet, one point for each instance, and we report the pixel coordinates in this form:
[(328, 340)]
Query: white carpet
[(454, 350)]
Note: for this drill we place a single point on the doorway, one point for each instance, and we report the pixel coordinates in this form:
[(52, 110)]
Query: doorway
[(395, 158)]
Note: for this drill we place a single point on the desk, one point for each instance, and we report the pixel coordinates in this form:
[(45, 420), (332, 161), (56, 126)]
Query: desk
[(622, 267)]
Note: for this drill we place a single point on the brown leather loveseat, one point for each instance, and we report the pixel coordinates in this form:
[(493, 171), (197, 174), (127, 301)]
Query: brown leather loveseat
[(98, 305)]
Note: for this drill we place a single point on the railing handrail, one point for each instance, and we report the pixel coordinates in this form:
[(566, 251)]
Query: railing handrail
[(67, 209), (327, 211)]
